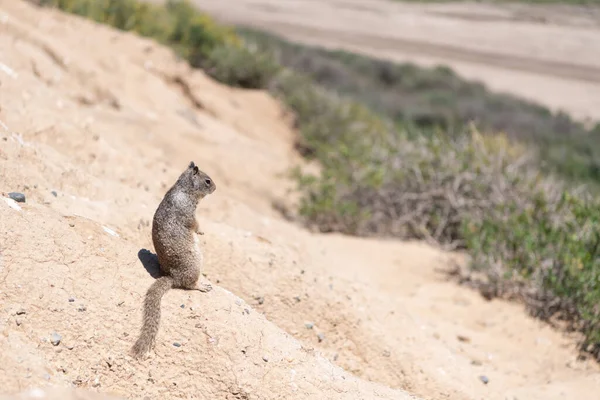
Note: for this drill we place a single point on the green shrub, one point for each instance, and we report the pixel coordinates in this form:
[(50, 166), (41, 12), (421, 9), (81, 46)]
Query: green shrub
[(547, 254), (404, 187), (239, 66), (195, 34)]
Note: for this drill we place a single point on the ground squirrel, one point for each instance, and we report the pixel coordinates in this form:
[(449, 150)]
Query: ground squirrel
[(174, 235)]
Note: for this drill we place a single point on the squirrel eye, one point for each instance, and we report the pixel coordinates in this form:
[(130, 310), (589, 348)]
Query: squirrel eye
[(207, 181)]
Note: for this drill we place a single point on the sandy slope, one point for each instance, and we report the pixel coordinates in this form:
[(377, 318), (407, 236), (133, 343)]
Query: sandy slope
[(102, 118), (547, 54)]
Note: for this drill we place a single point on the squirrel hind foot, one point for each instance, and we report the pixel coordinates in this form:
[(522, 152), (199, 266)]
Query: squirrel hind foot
[(203, 287)]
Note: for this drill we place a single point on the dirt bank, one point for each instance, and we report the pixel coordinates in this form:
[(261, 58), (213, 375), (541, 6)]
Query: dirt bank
[(94, 129)]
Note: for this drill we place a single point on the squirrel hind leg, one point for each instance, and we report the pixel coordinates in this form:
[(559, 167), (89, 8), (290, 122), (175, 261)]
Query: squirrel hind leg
[(194, 284)]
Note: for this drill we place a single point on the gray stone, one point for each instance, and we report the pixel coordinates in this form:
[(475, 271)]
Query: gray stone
[(18, 197)]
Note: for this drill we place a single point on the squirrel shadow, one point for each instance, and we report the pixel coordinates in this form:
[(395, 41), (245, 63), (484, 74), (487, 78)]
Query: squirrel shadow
[(150, 262)]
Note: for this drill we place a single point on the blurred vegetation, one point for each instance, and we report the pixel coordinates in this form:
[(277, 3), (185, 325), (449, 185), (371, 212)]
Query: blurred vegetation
[(415, 153), (437, 101), (531, 237)]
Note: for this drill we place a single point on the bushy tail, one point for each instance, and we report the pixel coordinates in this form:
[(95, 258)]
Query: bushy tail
[(151, 316)]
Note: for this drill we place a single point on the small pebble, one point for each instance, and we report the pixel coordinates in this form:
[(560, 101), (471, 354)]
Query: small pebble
[(182, 306), (238, 302), (20, 311), (297, 298), (246, 311), (82, 308), (386, 353), (261, 300), (18, 322), (71, 299), (265, 359), (321, 337), (70, 347), (463, 338), (47, 377), (54, 193), (176, 344), (484, 379), (18, 197), (55, 339), (309, 325)]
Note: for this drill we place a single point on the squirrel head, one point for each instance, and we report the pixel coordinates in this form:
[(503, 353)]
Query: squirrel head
[(198, 182)]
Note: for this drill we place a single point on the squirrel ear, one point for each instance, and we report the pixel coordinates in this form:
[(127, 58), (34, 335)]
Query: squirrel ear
[(195, 170), (192, 165)]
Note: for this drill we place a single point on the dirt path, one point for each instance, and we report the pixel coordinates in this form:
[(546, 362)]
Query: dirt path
[(545, 54), (95, 116)]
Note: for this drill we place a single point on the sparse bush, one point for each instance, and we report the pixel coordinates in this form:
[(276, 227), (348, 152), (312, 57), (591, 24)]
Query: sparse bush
[(195, 34), (239, 66), (376, 180), (547, 254)]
